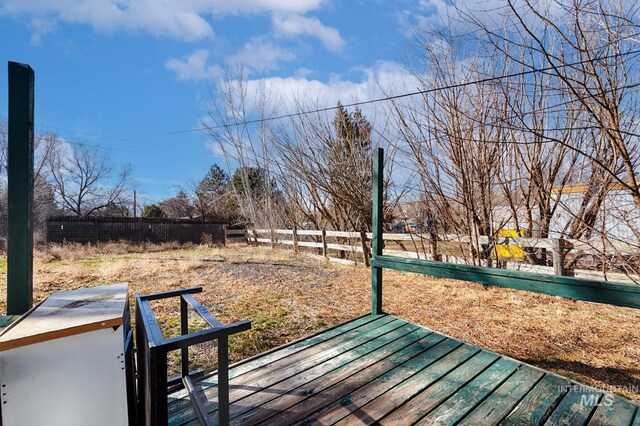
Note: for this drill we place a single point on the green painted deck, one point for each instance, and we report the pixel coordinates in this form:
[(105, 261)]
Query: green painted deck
[(384, 370)]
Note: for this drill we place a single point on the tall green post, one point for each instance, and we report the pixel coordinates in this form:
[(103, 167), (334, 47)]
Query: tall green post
[(20, 174), (376, 228)]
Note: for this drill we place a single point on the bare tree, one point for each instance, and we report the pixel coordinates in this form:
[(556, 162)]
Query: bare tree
[(235, 105), (178, 207), (326, 165), (85, 183), (455, 145)]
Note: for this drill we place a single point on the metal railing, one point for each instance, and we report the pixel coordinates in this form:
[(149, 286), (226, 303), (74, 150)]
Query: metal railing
[(153, 383)]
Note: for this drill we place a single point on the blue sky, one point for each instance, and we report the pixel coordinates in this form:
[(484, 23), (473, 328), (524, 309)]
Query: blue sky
[(119, 74)]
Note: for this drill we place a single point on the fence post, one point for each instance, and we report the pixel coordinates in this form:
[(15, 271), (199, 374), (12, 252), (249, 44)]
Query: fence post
[(377, 220), (273, 239), (557, 245), (224, 235), (295, 240), (20, 197), (365, 249), (324, 244), (255, 235), (433, 248)]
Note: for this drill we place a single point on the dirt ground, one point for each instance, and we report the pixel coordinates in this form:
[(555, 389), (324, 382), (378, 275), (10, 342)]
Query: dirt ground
[(287, 297)]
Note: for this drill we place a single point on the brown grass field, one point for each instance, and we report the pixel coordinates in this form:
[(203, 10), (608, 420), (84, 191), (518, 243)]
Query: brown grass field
[(287, 297)]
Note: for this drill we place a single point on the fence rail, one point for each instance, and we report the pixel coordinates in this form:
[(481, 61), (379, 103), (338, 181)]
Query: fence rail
[(424, 246)]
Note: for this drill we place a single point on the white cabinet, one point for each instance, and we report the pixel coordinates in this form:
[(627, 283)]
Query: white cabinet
[(64, 362)]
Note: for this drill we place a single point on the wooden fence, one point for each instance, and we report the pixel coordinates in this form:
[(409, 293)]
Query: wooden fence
[(103, 229), (232, 235), (355, 247)]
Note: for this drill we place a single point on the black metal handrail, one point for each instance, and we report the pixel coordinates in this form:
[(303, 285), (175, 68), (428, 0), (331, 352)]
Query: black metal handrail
[(153, 348)]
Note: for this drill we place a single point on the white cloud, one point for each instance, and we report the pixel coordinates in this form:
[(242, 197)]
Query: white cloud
[(184, 19), (296, 92), (40, 28), (262, 55), (295, 25), (194, 66), (215, 148)]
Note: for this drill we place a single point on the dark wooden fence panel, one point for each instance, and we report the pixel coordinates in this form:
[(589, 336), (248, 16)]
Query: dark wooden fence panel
[(104, 229)]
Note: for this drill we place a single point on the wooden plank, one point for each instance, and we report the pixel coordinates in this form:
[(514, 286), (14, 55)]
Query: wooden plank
[(344, 247), (269, 357), (275, 374), (359, 398), (429, 398), (575, 408), (463, 401), (590, 290), (301, 387), (314, 232), (399, 253), (278, 370), (613, 411), (505, 398), (343, 234), (67, 313), (342, 388), (402, 336), (536, 406), (309, 244), (286, 367), (398, 395)]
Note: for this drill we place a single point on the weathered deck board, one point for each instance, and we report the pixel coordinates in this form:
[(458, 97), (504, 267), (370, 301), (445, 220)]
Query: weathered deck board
[(615, 412), (259, 374), (349, 403), (384, 370), (502, 401), (575, 408), (463, 401), (303, 386), (274, 355)]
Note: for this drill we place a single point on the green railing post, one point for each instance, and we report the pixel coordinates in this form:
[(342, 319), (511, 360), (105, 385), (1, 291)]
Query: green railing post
[(20, 177), (376, 229)]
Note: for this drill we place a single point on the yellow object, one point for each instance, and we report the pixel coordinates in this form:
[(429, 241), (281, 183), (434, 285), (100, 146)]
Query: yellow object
[(508, 251)]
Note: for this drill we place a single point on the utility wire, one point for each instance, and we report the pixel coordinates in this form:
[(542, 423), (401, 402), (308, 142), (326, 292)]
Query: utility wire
[(98, 146), (399, 96), (354, 104)]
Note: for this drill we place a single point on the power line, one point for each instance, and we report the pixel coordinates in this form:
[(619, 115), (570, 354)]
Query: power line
[(124, 139), (98, 146), (353, 104), (399, 96)]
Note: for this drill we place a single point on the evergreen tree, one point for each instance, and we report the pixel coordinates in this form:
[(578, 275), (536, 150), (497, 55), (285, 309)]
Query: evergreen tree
[(153, 211)]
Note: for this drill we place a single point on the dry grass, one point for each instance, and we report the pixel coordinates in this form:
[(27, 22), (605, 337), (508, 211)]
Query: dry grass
[(287, 297)]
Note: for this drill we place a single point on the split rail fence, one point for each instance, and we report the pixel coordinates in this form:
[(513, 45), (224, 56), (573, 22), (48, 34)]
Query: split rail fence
[(355, 247)]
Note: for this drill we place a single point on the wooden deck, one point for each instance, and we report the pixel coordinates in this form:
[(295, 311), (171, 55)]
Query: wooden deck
[(384, 370)]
